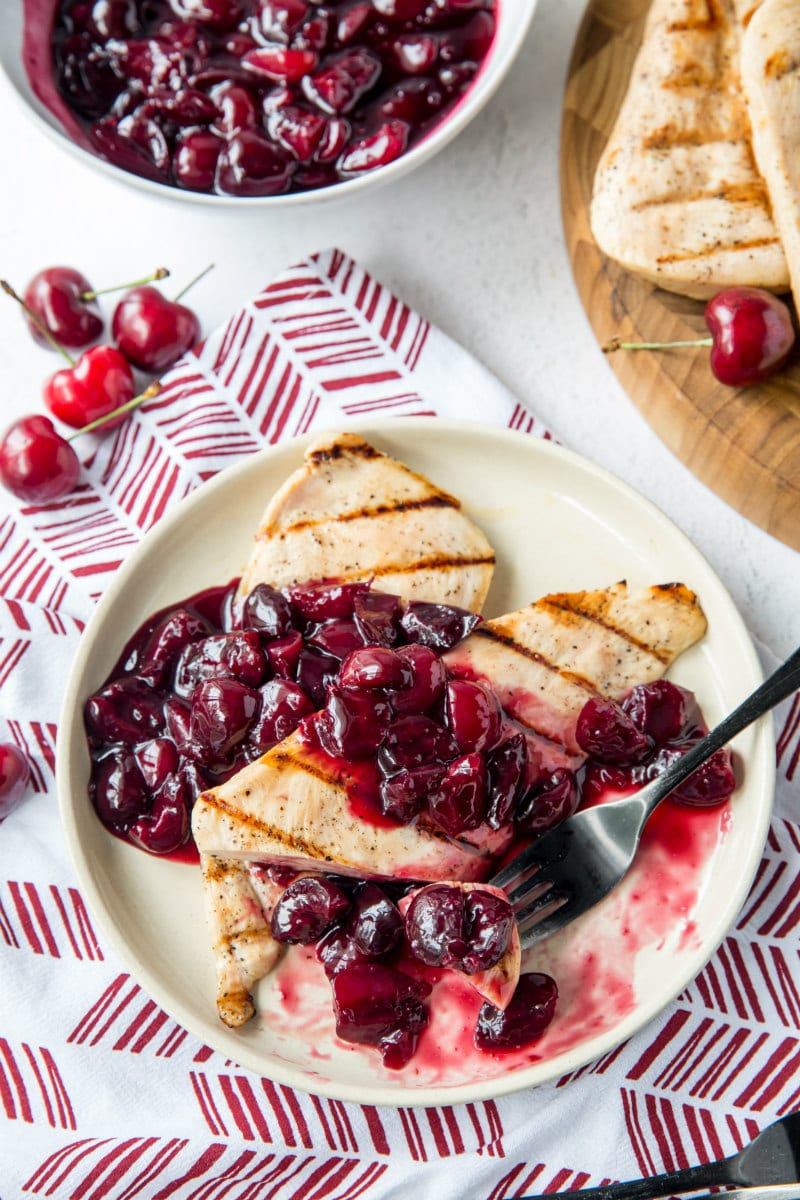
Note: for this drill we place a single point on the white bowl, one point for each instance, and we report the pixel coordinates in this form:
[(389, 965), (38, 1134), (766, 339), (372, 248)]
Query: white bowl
[(25, 41)]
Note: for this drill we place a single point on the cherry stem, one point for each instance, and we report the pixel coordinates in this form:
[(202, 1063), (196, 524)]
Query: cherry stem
[(37, 321), (159, 273), (192, 282), (147, 394), (616, 344)]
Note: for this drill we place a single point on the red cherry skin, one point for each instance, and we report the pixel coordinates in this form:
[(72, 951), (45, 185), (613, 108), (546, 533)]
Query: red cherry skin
[(100, 381), (14, 776), (152, 331), (36, 463), (55, 295), (752, 333)]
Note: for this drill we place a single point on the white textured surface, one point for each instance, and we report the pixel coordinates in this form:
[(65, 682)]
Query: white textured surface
[(473, 240)]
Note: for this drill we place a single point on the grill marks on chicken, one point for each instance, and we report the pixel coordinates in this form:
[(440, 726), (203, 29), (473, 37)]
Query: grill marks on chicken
[(771, 79), (678, 197), (352, 513), (546, 660)]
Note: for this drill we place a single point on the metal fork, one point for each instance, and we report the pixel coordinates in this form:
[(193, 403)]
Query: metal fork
[(575, 865)]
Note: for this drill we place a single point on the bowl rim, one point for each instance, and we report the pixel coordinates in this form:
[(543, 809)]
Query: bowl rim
[(502, 53)]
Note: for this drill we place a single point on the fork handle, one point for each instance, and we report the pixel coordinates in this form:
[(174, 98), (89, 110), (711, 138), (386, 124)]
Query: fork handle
[(777, 687), (673, 1183)]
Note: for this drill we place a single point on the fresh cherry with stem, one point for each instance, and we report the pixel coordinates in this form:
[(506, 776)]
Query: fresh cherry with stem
[(88, 388), (751, 336), (153, 331), (66, 305), (38, 465)]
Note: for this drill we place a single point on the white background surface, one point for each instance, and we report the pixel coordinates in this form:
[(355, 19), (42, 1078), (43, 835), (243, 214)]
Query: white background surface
[(472, 239)]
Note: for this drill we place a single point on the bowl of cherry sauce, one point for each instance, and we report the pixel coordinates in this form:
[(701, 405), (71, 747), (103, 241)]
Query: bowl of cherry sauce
[(247, 101)]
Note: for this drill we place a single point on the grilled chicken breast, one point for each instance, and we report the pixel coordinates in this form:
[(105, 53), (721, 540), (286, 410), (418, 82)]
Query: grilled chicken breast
[(677, 195), (239, 904), (351, 512), (770, 65), (546, 660), (294, 805)]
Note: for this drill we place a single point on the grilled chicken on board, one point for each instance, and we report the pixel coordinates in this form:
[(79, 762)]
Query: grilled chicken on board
[(771, 79), (292, 806), (677, 195), (349, 512)]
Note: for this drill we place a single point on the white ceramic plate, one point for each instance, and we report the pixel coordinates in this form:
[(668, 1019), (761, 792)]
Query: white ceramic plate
[(557, 523)]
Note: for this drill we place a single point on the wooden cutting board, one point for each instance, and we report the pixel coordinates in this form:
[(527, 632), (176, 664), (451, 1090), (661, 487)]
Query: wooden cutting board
[(743, 443)]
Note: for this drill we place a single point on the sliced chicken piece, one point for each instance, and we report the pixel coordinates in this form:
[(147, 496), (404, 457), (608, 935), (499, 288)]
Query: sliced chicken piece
[(677, 195), (351, 512), (239, 903), (293, 807), (770, 66), (300, 807), (546, 660)]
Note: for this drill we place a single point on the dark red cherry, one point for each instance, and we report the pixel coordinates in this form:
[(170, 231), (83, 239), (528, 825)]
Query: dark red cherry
[(127, 710), (415, 741), (315, 671), (283, 705), (283, 654), (337, 638), (428, 678), (222, 712), (325, 600), (606, 732), (194, 162), (473, 714), (752, 334), (376, 613), (153, 331), (176, 630), (353, 723), (284, 64), (526, 1017), (435, 925), (507, 765), (712, 782), (250, 164), (376, 1005), (36, 464), (375, 149), (267, 610), (375, 667), (459, 801), (14, 775), (403, 795), (236, 655), (374, 922), (306, 909), (118, 789), (166, 827), (236, 108), (297, 130), (99, 382), (342, 80), (439, 626), (157, 759), (548, 802), (661, 709), (57, 297)]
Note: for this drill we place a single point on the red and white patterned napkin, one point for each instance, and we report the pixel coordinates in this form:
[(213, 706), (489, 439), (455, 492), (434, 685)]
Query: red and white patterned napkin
[(102, 1095)]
